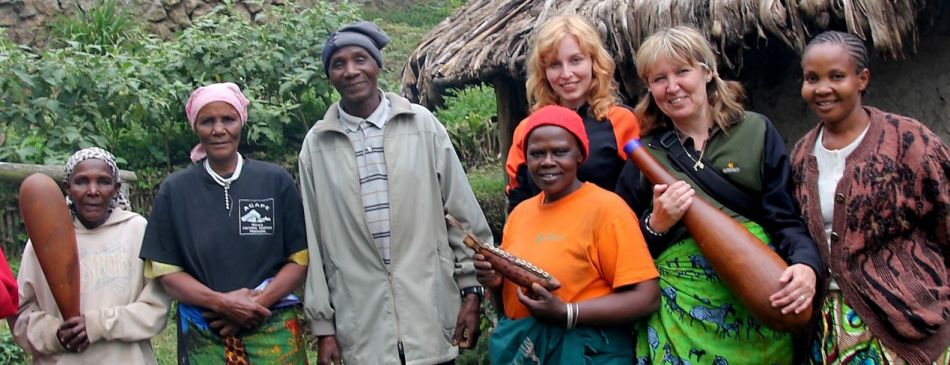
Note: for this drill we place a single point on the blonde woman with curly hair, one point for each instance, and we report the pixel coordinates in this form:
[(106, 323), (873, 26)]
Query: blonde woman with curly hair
[(696, 127), (568, 66)]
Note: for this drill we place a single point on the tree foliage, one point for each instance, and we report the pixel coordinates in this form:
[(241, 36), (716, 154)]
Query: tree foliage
[(468, 116), (127, 95)]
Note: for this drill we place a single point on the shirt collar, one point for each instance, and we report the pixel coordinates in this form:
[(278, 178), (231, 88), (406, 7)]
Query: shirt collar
[(377, 118)]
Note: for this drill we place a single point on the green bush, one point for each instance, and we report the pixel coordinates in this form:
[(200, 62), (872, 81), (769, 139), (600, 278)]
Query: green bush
[(468, 116), (129, 97), (10, 353), (488, 184)]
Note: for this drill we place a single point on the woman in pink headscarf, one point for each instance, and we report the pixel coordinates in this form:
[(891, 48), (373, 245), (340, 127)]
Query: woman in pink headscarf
[(226, 239)]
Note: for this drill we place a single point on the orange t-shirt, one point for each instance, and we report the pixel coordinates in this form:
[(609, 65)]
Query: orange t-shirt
[(590, 241)]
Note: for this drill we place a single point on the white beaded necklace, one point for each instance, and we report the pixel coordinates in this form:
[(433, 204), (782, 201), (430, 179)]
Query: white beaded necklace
[(226, 183)]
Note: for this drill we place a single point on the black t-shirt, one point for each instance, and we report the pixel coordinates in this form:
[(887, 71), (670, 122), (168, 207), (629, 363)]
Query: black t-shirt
[(226, 250)]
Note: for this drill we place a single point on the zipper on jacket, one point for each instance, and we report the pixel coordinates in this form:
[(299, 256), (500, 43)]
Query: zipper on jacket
[(402, 353), (399, 346)]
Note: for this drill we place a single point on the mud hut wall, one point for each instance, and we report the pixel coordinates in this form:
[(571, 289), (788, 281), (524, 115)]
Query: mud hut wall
[(918, 87)]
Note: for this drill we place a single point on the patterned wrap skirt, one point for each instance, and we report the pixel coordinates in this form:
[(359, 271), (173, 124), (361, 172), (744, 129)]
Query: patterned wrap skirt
[(700, 321), (527, 341), (844, 339), (278, 340)]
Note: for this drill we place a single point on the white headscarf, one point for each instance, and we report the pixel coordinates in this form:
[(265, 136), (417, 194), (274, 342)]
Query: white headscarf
[(119, 200)]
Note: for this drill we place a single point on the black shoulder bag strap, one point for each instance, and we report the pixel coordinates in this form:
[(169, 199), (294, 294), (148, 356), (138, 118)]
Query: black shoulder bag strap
[(709, 179)]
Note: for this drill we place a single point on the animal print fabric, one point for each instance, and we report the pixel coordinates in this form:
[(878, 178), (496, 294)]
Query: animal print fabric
[(235, 353), (700, 321)]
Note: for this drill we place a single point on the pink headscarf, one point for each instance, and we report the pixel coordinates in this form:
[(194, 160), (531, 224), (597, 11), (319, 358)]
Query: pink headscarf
[(227, 92)]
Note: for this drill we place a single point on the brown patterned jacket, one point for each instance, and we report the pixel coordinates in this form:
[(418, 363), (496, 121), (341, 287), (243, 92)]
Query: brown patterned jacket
[(890, 240)]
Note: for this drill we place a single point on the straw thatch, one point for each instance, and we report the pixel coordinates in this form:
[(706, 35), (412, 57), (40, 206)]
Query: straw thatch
[(488, 39)]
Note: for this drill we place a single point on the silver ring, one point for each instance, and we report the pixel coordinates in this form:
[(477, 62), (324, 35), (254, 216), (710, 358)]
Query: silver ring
[(802, 297)]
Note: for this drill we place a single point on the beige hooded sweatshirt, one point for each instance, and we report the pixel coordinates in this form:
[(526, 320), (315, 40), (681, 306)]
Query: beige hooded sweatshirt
[(123, 310)]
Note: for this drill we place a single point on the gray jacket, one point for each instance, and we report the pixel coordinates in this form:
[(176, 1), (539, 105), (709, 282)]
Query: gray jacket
[(349, 290)]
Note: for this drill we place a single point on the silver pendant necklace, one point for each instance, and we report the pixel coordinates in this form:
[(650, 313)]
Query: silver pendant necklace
[(698, 163), (226, 182)]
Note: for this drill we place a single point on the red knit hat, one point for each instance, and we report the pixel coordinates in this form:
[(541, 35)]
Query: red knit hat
[(560, 116)]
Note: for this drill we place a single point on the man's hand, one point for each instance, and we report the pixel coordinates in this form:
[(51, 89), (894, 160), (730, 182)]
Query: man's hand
[(485, 273), (467, 326), (328, 351)]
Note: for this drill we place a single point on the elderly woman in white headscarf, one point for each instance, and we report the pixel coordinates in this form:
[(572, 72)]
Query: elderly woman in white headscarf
[(226, 238), (121, 309)]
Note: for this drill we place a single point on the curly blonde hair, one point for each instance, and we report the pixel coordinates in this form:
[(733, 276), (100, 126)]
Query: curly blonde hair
[(685, 46), (602, 92)]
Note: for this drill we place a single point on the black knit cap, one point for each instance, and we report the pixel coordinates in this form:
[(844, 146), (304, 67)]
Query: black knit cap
[(364, 34)]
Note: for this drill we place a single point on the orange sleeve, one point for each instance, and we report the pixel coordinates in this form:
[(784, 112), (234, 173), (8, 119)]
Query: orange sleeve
[(622, 251), (626, 126), (516, 157)]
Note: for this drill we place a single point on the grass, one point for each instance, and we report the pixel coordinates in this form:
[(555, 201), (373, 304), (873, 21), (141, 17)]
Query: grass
[(10, 353), (165, 343), (406, 25)]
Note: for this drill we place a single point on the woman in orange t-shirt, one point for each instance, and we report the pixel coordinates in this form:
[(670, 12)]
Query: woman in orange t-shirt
[(588, 239)]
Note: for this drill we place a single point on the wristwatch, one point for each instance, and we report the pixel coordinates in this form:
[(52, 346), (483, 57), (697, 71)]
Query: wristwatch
[(477, 290)]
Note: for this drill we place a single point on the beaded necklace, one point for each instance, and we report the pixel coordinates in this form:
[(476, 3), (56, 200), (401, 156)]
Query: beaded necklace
[(226, 182)]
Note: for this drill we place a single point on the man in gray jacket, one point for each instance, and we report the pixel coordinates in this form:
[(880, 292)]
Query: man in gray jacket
[(388, 282)]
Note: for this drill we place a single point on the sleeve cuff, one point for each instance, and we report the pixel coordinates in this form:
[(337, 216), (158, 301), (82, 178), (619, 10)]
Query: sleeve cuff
[(154, 269), (49, 337), (819, 274), (94, 328), (467, 281), (301, 258), (322, 327)]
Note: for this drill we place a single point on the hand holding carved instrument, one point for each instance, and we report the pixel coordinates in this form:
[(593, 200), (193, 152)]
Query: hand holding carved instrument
[(50, 227), (510, 267), (745, 264)]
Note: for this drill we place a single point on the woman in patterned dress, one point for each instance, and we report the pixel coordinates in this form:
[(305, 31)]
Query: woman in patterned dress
[(874, 189), (691, 108)]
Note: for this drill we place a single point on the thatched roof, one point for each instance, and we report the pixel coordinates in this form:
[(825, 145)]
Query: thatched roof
[(487, 38)]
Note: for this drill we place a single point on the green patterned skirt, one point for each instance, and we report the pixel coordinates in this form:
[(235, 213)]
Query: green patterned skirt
[(278, 340), (844, 339), (527, 341), (700, 321)]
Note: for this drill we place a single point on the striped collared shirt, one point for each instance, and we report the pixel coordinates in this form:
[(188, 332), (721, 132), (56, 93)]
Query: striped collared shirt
[(366, 135)]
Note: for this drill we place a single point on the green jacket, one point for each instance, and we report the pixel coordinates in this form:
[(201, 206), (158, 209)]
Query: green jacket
[(349, 290)]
